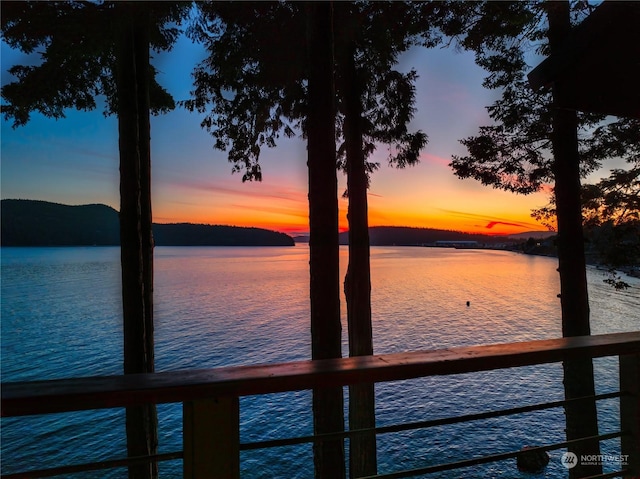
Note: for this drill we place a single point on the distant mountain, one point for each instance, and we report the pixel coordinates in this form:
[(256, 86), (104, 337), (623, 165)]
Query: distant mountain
[(406, 236), (41, 223)]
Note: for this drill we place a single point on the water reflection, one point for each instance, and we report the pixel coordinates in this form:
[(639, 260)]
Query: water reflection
[(221, 306)]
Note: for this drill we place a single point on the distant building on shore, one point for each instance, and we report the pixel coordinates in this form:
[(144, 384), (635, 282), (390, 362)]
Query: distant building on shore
[(457, 244)]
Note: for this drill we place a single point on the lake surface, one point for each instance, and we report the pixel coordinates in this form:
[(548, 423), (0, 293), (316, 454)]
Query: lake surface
[(218, 306)]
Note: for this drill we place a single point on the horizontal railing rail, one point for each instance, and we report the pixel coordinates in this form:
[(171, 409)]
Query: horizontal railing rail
[(210, 397), (76, 394), (410, 426), (93, 466)]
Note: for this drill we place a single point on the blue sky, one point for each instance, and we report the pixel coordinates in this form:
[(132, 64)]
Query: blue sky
[(75, 160)]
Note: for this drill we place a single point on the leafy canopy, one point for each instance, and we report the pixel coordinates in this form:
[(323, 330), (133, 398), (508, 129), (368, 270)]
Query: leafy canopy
[(74, 48), (252, 86), (514, 153)]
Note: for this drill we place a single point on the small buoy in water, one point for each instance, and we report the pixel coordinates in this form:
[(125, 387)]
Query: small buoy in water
[(468, 303)]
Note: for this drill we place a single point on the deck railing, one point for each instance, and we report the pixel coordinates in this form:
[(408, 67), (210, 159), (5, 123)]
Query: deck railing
[(210, 398)]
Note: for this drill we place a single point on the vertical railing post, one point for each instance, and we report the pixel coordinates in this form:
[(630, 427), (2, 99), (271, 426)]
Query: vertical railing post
[(630, 412), (211, 436)]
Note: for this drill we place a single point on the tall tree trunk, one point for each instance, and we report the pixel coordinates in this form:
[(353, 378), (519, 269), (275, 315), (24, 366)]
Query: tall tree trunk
[(582, 420), (143, 76), (326, 330), (135, 252), (357, 284)]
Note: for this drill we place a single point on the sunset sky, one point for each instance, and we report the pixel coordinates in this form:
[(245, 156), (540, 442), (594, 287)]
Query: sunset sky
[(75, 161)]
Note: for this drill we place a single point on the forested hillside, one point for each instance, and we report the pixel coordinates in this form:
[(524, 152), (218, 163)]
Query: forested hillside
[(41, 223)]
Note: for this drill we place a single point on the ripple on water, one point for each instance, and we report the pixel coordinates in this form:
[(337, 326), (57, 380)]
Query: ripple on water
[(222, 306)]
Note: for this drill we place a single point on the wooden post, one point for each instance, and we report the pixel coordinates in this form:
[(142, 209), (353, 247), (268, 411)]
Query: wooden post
[(211, 435), (630, 412)]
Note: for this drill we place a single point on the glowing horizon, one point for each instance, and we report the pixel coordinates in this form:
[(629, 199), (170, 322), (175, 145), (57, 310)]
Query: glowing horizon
[(288, 213), (75, 161)]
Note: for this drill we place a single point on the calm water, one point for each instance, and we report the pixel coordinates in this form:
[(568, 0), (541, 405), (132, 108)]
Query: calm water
[(223, 306)]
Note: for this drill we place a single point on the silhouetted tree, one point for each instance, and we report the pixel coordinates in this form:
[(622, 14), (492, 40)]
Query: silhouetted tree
[(357, 283), (581, 417), (532, 142), (377, 103), (93, 49), (611, 221), (254, 83), (269, 70), (323, 233)]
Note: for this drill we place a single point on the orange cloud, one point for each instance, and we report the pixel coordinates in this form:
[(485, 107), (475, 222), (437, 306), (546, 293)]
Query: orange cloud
[(493, 223), (497, 225)]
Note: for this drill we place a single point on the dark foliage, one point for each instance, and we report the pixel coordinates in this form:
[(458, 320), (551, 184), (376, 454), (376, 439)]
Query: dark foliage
[(86, 50), (611, 214), (252, 87), (74, 43), (514, 153)]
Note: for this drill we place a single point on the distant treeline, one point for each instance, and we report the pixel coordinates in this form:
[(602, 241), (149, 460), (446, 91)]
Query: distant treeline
[(186, 234), (41, 223), (406, 236)]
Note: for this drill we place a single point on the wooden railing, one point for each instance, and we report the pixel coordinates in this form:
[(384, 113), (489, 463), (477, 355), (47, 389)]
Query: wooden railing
[(210, 397)]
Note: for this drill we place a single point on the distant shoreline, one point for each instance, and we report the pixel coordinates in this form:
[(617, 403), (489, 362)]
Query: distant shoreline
[(42, 223)]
